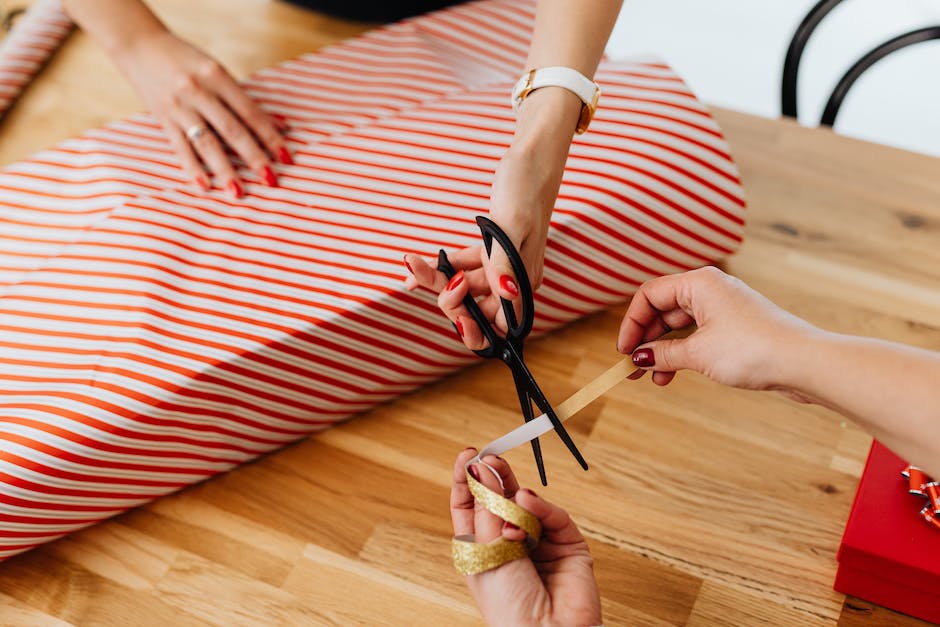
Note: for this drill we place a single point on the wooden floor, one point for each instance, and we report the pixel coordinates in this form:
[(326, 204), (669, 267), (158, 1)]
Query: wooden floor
[(703, 506)]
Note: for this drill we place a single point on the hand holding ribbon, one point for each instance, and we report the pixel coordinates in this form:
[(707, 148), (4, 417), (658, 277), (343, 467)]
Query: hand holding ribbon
[(536, 565), (555, 583)]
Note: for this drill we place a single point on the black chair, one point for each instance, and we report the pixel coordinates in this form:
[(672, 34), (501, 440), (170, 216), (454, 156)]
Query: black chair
[(791, 65)]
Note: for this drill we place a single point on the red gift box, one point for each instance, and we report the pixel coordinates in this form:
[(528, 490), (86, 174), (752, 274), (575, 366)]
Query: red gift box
[(889, 555)]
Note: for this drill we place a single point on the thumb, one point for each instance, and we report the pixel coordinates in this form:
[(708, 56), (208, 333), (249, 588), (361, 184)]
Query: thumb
[(666, 355), (500, 275)]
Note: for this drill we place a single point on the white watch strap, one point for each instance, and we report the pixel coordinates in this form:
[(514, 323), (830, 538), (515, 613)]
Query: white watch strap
[(555, 76)]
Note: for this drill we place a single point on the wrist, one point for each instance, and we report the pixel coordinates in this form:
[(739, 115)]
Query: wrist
[(131, 40), (155, 36), (546, 121), (797, 369)]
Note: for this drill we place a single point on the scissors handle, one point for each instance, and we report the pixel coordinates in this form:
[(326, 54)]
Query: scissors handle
[(495, 347), (518, 329)]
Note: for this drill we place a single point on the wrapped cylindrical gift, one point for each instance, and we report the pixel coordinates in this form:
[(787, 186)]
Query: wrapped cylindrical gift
[(152, 335), (33, 39)]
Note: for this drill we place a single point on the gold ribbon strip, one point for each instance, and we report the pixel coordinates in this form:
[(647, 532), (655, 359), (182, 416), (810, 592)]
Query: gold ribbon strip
[(471, 557)]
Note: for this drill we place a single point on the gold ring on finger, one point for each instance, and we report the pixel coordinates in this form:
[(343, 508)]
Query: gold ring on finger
[(196, 131)]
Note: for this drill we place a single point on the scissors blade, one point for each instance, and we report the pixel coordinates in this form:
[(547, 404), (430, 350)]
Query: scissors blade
[(542, 403), (526, 403), (524, 378)]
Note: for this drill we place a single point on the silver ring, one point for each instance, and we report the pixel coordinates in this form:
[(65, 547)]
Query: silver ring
[(196, 131)]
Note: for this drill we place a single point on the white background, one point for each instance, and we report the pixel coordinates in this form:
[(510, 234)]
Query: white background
[(731, 53)]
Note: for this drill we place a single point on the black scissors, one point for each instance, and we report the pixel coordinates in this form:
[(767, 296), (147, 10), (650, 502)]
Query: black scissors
[(509, 349)]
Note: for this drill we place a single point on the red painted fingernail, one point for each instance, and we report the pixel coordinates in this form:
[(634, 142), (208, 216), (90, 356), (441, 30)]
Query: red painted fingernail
[(506, 283), (643, 358), (284, 157), (459, 328), (455, 280), (474, 472), (268, 175), (407, 265), (235, 189), (510, 525), (203, 183)]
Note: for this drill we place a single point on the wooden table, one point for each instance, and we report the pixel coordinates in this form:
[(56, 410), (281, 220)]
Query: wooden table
[(704, 506)]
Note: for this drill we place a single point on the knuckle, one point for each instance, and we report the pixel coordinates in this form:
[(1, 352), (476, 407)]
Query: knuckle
[(210, 70), (537, 279), (693, 354), (710, 273), (663, 359), (185, 87), (666, 356)]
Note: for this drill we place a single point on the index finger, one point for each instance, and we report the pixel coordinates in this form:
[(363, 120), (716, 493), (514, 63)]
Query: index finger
[(656, 298), (429, 277)]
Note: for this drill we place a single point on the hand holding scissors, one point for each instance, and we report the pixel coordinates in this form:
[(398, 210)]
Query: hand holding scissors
[(509, 348)]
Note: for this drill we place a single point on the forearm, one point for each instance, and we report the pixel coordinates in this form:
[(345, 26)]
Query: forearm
[(891, 390), (117, 25), (571, 34)]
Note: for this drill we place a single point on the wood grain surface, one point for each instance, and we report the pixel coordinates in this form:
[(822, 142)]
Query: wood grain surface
[(703, 506)]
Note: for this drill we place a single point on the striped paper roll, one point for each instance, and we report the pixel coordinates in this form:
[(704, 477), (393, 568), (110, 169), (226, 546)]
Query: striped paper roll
[(34, 38), (152, 336)]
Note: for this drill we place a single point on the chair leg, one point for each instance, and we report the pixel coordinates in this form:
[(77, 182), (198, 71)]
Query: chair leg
[(869, 59), (791, 65)]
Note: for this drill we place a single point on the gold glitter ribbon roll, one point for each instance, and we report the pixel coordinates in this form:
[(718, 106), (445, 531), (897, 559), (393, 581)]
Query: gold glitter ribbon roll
[(471, 557)]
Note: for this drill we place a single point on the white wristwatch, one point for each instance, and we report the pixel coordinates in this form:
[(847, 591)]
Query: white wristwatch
[(559, 76)]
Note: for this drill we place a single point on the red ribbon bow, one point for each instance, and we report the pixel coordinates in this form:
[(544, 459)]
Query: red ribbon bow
[(921, 485)]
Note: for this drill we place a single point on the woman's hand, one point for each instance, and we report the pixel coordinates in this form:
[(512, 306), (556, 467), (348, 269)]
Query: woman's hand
[(743, 340), (525, 187), (203, 110), (524, 215), (555, 585)]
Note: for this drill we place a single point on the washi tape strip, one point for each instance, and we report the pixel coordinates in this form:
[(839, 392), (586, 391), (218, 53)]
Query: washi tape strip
[(470, 557)]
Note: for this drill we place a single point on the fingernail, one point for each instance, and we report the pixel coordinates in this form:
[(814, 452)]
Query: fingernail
[(268, 175), (510, 525), (203, 183), (528, 490), (455, 280), (474, 472), (407, 265), (284, 157), (459, 328), (506, 283), (643, 358), (234, 189)]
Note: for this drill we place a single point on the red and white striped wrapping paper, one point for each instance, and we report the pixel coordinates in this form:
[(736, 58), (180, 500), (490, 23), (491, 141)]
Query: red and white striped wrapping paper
[(152, 335), (23, 52)]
